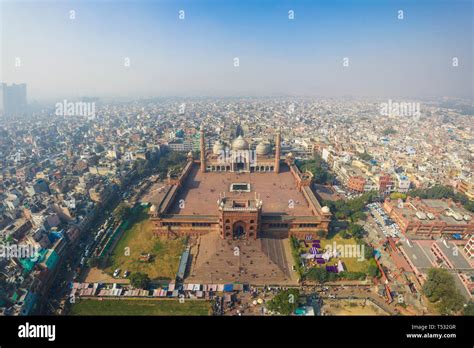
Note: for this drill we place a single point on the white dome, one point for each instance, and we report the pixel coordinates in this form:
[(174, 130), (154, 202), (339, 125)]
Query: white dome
[(218, 148), (326, 209), (263, 148), (240, 144)]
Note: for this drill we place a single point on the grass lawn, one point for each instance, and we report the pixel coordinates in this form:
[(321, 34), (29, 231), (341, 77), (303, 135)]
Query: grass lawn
[(353, 264), (141, 307), (139, 239)]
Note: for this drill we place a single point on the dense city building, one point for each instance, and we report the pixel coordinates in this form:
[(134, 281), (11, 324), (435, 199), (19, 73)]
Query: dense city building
[(430, 217), (246, 185)]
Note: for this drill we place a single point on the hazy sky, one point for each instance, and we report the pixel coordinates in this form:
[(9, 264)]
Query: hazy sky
[(63, 57)]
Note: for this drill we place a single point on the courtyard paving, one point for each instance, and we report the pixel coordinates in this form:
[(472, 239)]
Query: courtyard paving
[(265, 261)]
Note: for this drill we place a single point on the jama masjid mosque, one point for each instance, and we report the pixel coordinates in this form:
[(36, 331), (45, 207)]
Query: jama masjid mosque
[(240, 193), (239, 158)]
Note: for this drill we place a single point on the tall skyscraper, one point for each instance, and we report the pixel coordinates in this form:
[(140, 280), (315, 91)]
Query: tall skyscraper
[(13, 100)]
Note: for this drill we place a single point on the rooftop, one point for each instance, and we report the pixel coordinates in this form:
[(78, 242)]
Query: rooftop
[(433, 210), (421, 257), (419, 252), (277, 191), (454, 255)]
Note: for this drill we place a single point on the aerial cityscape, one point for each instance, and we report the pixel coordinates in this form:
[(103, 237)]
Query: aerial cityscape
[(226, 163)]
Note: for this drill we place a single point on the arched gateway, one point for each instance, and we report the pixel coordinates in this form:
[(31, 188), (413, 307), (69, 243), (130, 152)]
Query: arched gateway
[(238, 230)]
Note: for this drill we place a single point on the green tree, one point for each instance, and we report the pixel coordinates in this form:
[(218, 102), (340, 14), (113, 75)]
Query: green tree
[(318, 167), (389, 131), (321, 233), (365, 156), (352, 275), (122, 212), (356, 230), (352, 208), (398, 195), (294, 242), (284, 302), (440, 289), (368, 252), (345, 234), (139, 280), (469, 308), (317, 274), (332, 276), (93, 262), (373, 270), (469, 205), (358, 215), (170, 160), (295, 253), (142, 167)]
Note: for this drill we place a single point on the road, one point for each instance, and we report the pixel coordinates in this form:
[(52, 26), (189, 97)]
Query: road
[(354, 293), (59, 290)]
